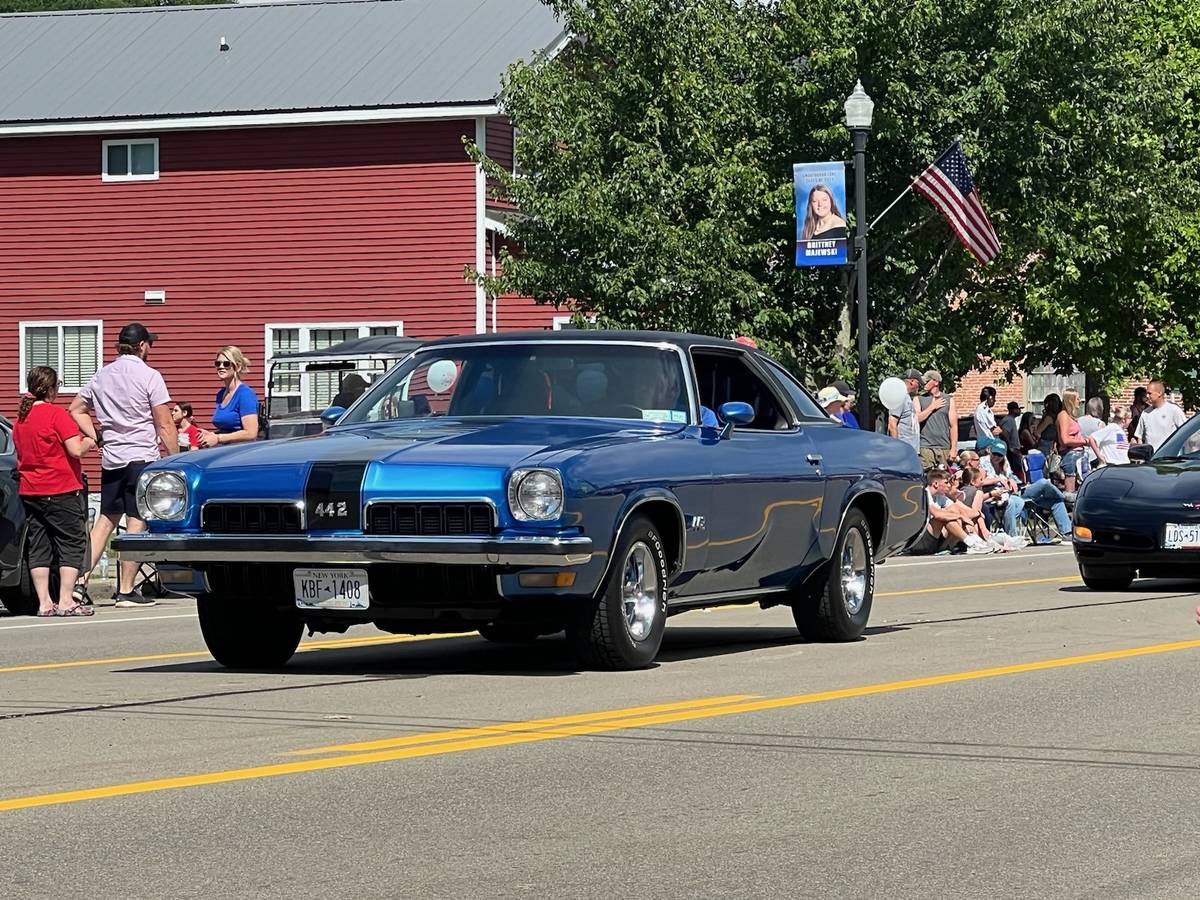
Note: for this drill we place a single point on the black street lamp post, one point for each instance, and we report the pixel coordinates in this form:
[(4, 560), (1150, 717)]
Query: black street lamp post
[(859, 112)]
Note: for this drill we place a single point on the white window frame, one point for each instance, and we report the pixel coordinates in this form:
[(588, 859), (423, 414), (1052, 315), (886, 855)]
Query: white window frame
[(306, 329), (60, 324), (129, 142), (560, 321)]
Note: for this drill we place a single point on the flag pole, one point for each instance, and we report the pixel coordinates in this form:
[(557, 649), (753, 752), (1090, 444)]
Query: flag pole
[(871, 227)]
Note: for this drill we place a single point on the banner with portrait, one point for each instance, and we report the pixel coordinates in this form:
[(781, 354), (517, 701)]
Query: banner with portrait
[(821, 231)]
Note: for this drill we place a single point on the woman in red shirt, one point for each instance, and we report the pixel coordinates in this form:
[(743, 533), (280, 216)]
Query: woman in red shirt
[(49, 447)]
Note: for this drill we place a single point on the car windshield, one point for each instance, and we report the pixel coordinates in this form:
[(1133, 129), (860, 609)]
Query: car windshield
[(593, 380), (1184, 443)]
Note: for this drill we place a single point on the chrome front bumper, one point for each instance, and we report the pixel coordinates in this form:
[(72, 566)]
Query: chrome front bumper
[(497, 551)]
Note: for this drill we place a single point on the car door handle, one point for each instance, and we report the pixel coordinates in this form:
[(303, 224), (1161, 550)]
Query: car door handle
[(814, 458)]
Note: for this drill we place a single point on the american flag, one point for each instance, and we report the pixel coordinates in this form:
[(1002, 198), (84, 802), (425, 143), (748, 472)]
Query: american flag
[(947, 185)]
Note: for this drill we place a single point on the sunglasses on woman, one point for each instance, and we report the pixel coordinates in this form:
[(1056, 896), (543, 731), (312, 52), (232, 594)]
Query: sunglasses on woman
[(222, 364)]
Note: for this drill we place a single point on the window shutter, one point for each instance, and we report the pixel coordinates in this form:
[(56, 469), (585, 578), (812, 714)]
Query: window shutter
[(286, 377), (323, 386), (41, 347), (80, 352)]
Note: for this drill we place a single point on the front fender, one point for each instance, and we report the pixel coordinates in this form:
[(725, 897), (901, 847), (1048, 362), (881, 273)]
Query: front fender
[(866, 492)]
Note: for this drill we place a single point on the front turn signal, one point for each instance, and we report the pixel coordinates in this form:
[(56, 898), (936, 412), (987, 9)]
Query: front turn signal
[(1083, 534)]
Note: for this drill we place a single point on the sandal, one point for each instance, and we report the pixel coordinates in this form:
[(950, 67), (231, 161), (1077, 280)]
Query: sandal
[(77, 610), (47, 613), (81, 596)]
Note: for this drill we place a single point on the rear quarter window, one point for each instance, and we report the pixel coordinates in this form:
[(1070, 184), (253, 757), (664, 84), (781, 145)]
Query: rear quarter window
[(805, 404)]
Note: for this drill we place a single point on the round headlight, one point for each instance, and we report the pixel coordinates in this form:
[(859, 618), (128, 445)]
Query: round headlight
[(535, 495), (162, 496)]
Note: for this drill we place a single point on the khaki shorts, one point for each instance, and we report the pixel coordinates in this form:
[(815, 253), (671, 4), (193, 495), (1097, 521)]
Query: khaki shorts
[(933, 457)]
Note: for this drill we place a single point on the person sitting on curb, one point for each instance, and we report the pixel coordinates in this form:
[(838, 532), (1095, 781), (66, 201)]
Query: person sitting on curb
[(1042, 492), (947, 528)]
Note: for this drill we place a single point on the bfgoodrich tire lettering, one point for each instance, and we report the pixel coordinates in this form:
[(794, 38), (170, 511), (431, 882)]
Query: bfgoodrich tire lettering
[(248, 634), (623, 628), (838, 607)]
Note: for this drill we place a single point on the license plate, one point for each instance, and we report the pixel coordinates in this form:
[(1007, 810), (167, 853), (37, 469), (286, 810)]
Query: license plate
[(331, 588), (1181, 537)]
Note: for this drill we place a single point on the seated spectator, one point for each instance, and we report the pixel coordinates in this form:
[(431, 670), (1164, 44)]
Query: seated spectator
[(946, 528), (352, 387), (832, 401), (1040, 492), (847, 414)]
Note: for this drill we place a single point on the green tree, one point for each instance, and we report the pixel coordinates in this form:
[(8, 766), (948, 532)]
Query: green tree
[(10, 6), (659, 151)]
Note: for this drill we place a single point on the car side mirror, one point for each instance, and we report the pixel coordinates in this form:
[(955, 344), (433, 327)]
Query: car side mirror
[(1140, 453), (331, 415), (734, 413)]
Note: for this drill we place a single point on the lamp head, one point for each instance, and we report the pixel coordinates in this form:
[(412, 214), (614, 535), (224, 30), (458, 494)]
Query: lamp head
[(860, 109)]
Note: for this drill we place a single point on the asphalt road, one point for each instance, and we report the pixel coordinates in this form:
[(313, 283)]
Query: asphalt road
[(1000, 732)]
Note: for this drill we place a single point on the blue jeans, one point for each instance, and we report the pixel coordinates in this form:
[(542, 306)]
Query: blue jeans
[(1047, 496), (1014, 512)]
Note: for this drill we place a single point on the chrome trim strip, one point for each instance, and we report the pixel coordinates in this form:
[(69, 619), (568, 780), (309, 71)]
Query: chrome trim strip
[(299, 504), (527, 551), (727, 595)]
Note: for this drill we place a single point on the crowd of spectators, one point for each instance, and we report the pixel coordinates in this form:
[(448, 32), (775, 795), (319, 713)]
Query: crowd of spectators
[(1019, 482)]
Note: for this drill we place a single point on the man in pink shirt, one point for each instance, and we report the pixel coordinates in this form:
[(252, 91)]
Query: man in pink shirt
[(130, 401)]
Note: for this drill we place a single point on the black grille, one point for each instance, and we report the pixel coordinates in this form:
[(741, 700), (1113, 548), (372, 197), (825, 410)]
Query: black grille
[(413, 519), (251, 518)]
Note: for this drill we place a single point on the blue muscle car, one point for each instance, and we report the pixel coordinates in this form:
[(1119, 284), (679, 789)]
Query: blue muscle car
[(529, 483)]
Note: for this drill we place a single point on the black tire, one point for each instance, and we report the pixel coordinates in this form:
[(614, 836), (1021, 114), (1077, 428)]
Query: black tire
[(602, 637), (1111, 580), (20, 599), (509, 633), (824, 612), (248, 634)]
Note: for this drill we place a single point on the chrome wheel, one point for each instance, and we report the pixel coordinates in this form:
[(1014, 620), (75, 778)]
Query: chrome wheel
[(854, 567), (639, 591)]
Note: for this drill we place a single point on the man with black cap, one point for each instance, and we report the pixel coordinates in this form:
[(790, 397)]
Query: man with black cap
[(131, 403), (1010, 430)]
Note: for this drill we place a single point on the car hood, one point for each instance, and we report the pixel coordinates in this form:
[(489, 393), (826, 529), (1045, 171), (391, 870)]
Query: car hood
[(1175, 482), (499, 442)]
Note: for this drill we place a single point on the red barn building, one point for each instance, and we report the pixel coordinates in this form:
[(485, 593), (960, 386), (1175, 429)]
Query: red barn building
[(280, 177)]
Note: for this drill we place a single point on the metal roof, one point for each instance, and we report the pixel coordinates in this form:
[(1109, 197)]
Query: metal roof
[(309, 55)]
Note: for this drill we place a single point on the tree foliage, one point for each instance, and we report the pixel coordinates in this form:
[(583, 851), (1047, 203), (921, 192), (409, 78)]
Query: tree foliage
[(11, 6), (659, 148)]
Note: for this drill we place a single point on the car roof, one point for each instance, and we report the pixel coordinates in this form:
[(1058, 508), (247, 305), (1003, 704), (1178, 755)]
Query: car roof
[(589, 335), (376, 345)]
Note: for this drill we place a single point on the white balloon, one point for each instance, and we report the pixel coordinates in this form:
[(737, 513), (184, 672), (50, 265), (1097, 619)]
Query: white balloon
[(892, 393), (441, 376)]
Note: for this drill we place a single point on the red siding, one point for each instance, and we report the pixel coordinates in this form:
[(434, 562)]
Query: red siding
[(243, 228), (512, 311)]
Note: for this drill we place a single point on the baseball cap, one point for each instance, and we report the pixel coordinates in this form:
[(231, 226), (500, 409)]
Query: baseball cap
[(1013, 404), (829, 395), (845, 388), (134, 333), (995, 445), (912, 373), (932, 375)]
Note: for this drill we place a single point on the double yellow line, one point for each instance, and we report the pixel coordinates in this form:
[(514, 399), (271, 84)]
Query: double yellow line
[(506, 734)]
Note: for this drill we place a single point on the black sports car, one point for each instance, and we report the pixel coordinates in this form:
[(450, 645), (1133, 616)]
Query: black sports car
[(1143, 517)]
